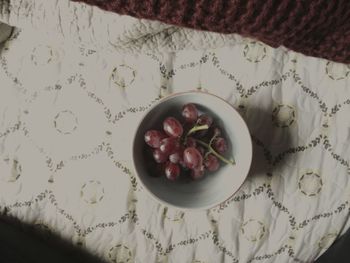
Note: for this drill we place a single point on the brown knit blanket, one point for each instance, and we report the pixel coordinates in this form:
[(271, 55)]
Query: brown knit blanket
[(319, 28)]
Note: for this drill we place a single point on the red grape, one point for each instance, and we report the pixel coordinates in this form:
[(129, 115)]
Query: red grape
[(172, 171), (191, 142), (159, 156), (211, 163), (201, 150), (190, 112), (172, 127), (205, 119), (169, 145), (220, 145), (176, 157), (197, 173), (153, 138), (192, 157)]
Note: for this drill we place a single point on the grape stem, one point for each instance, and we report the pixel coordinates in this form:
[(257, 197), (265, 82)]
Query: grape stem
[(212, 139), (211, 150), (197, 128)]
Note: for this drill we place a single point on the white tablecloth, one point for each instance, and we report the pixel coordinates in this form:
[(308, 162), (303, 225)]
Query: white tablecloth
[(67, 113)]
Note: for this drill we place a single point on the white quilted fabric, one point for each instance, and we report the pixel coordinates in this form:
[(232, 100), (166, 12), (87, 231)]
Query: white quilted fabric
[(62, 20), (75, 81)]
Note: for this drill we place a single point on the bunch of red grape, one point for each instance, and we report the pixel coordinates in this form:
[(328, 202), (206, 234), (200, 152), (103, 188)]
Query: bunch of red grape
[(189, 148)]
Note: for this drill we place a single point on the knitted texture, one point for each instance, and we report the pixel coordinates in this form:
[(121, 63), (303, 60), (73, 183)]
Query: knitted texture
[(319, 28)]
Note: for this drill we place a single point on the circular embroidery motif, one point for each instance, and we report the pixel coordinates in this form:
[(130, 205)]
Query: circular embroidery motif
[(92, 192), (253, 230), (120, 254), (43, 55), (310, 183), (337, 71), (283, 116), (123, 76), (65, 122), (254, 52)]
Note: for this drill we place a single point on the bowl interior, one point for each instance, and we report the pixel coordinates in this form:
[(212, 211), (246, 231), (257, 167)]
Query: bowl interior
[(213, 188)]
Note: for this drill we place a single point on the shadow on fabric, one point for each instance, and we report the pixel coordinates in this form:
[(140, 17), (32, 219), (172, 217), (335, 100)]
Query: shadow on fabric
[(268, 142), (24, 243)]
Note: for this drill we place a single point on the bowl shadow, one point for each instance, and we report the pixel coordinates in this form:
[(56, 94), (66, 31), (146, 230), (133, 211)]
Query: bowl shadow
[(268, 141)]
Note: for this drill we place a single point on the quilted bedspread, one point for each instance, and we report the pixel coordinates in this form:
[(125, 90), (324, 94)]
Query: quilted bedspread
[(75, 82)]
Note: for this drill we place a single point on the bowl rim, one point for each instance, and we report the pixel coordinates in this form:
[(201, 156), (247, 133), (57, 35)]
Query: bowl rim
[(183, 208)]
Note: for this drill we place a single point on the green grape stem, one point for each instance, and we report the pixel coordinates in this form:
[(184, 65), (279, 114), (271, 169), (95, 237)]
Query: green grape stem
[(211, 150), (197, 128)]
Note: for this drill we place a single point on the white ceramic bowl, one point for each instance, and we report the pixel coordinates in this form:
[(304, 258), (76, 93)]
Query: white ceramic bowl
[(214, 188)]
